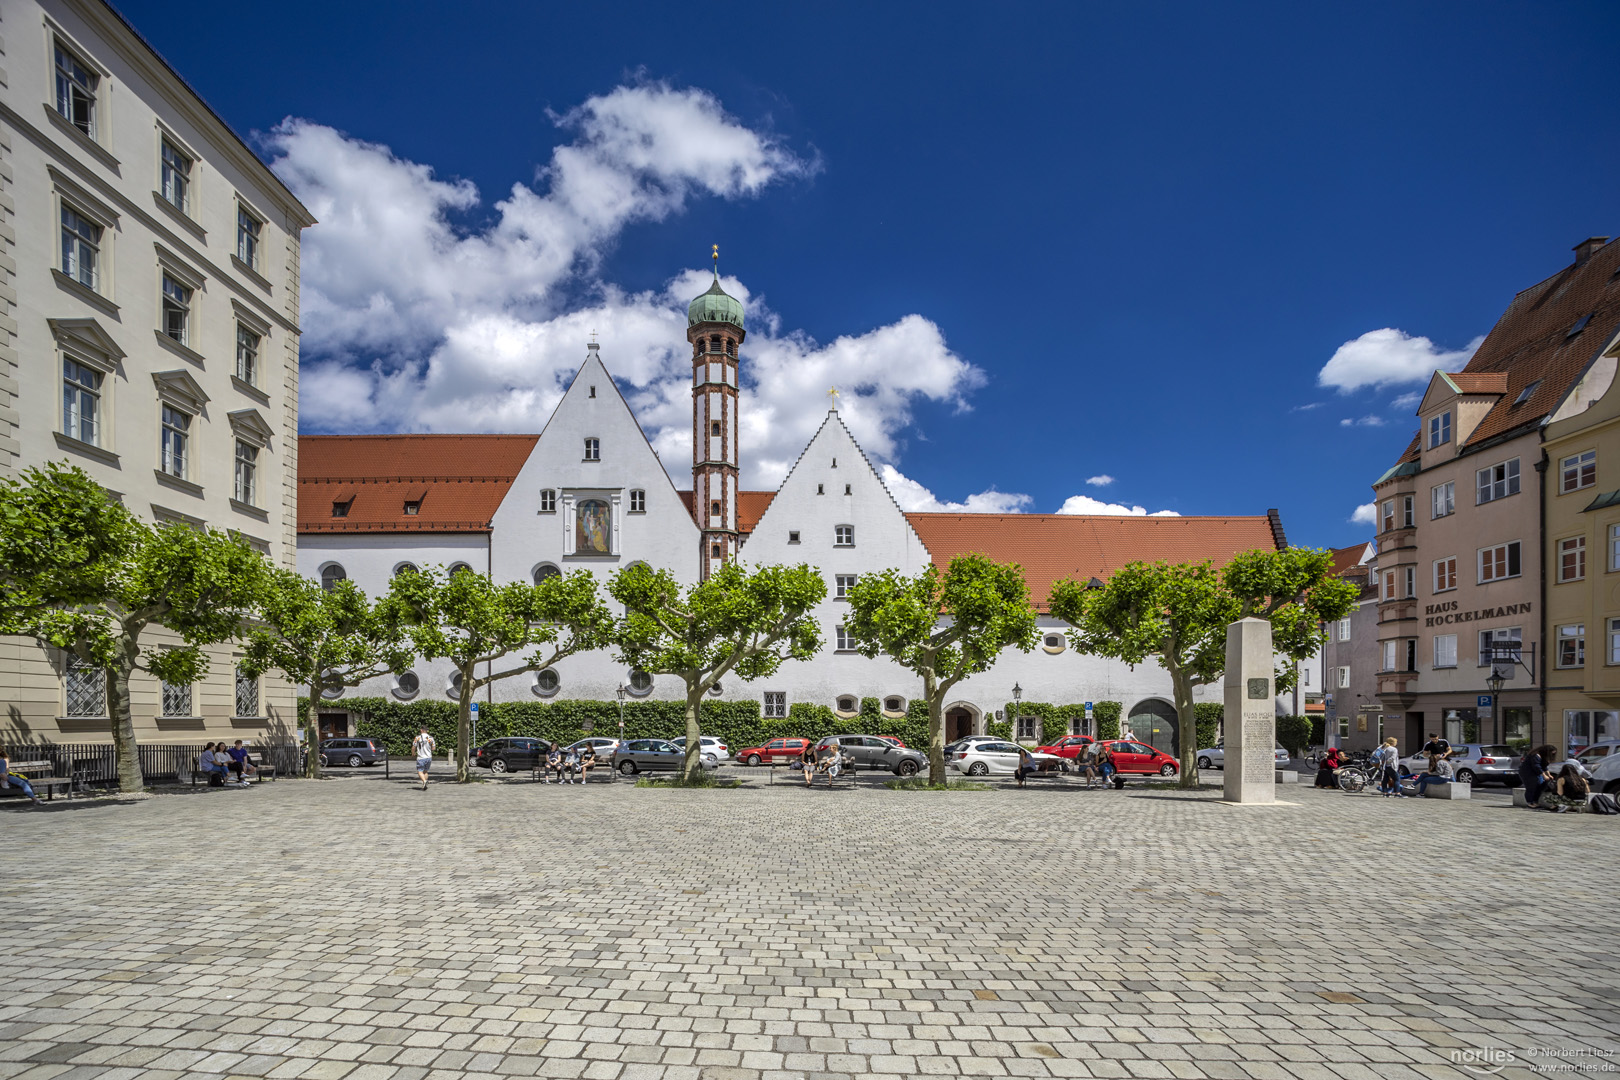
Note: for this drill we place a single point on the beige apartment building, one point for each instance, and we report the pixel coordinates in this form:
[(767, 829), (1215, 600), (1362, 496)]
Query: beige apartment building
[(1464, 561), (148, 334)]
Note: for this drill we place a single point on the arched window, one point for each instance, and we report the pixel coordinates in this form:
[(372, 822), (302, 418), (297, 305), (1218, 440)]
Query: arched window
[(331, 574), (593, 528), (894, 704), (714, 343), (714, 427), (452, 689), (545, 570), (640, 683), (459, 568), (848, 703)]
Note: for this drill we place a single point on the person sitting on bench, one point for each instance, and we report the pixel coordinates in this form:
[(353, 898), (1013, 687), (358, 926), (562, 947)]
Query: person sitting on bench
[(241, 763), (807, 762), (587, 758), (10, 779), (1439, 772)]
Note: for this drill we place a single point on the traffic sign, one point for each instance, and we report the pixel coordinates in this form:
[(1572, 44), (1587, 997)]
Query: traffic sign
[(1483, 701)]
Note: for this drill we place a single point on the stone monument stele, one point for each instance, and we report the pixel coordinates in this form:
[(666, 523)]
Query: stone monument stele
[(1250, 721)]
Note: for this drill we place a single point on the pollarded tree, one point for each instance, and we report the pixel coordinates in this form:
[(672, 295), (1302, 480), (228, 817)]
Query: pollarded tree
[(200, 585), (742, 622), (1178, 614), (321, 639), (944, 627), (466, 618), (62, 540)]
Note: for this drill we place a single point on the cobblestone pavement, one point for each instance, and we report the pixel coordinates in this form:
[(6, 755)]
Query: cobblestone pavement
[(365, 930)]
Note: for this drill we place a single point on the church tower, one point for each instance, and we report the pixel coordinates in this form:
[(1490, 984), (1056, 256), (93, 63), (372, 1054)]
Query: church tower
[(714, 326)]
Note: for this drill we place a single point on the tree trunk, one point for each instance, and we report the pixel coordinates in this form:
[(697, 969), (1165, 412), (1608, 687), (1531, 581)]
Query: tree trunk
[(312, 749), (936, 730), (464, 725), (1187, 720), (126, 752), (692, 764)]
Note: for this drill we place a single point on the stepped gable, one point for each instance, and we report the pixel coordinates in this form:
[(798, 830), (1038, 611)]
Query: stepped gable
[(456, 481), (1051, 547)]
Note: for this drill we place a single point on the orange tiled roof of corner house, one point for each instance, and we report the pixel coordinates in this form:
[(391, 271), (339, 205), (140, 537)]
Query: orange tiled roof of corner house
[(1051, 547), (457, 481), (1532, 341), (1347, 560)]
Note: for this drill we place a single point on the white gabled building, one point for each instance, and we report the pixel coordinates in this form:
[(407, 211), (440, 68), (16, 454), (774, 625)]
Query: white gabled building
[(589, 492)]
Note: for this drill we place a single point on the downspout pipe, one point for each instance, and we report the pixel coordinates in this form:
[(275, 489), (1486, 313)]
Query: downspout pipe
[(1541, 646)]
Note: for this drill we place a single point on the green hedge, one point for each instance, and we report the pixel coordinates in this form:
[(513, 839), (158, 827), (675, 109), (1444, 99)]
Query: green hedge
[(1294, 734), (1209, 715), (737, 723), (1057, 720)]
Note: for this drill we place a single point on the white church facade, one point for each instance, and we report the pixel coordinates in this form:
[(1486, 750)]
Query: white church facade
[(589, 491)]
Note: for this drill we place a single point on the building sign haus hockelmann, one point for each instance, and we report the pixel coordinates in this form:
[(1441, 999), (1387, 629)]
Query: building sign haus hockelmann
[(1443, 614)]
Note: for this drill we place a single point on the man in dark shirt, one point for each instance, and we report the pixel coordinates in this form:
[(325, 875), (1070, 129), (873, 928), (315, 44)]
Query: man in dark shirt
[(1438, 746)]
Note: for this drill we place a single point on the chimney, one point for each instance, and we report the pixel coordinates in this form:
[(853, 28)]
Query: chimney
[(1587, 248)]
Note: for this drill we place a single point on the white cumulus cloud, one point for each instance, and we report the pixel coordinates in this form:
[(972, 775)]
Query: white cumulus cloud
[(1085, 504), (1100, 481), (416, 323), (1365, 514), (1389, 357), (1365, 421), (915, 498), (1406, 401)]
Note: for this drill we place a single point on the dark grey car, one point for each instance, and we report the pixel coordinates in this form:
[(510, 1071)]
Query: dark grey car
[(352, 752), (652, 755), (871, 752)]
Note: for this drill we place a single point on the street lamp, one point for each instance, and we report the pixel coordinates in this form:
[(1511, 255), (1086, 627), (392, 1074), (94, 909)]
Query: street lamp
[(1018, 696), (621, 693)]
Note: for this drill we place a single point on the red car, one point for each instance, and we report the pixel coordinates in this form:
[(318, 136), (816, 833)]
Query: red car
[(893, 739), (1067, 748), (1139, 759), (775, 750)]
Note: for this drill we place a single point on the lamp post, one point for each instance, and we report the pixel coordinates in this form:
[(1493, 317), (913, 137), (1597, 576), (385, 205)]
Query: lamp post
[(621, 692), (1495, 684), (1018, 696)]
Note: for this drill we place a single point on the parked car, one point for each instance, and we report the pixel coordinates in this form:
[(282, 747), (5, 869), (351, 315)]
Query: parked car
[(1474, 763), (1606, 774), (708, 746), (509, 755), (892, 738), (968, 740), (1589, 756), (873, 752), (773, 751), (1139, 759), (985, 758), (603, 746), (352, 752), (653, 755), (1067, 748), (1215, 757)]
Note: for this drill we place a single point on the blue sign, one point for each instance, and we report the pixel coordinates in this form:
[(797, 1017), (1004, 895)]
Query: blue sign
[(1088, 710), (1484, 701), (475, 710)]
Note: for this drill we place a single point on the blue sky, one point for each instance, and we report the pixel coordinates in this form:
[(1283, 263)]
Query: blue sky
[(1039, 245)]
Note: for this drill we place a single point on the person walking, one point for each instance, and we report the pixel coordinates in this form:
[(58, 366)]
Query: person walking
[(424, 748), (1389, 782), (1327, 767), (9, 779), (1533, 772)]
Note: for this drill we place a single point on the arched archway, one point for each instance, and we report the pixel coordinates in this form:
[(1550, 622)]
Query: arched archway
[(961, 720), (1153, 721)]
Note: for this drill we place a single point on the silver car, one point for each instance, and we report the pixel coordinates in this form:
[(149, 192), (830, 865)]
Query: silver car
[(653, 755), (1215, 757), (1474, 763), (708, 746)]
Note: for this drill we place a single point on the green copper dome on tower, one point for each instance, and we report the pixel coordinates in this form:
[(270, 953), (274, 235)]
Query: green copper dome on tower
[(716, 305)]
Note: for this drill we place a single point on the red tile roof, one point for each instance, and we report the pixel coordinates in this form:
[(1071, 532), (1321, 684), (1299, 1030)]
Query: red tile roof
[(1348, 559), (1480, 382), (750, 508), (457, 480), (1051, 547)]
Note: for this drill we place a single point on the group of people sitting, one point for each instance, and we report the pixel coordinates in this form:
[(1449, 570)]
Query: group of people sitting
[(565, 762), (220, 763), (1095, 762), (1566, 792), (827, 760)]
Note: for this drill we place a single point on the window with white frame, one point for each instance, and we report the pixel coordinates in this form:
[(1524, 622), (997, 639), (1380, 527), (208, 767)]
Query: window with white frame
[(1439, 430), (1501, 645), (1409, 581), (247, 480), (248, 228), (1389, 584), (247, 693), (1344, 628), (1445, 650), (176, 309), (176, 177), (1614, 641), (842, 584), (1498, 481), (775, 704), (1390, 649), (1571, 646), (1344, 678), (1498, 562), (81, 248), (1443, 499), (176, 699), (1408, 513), (1578, 471), (81, 402), (1389, 514), (638, 501), (548, 501), (844, 536), (593, 449), (1614, 547), (247, 355), (845, 643), (176, 437), (1572, 559), (86, 688), (76, 91), (1445, 574)]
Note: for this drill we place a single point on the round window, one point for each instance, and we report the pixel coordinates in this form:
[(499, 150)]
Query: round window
[(846, 704), (404, 568), (716, 690), (407, 685), (331, 692), (460, 568), (894, 704), (452, 689), (1054, 643), (640, 682), (547, 683), (545, 570)]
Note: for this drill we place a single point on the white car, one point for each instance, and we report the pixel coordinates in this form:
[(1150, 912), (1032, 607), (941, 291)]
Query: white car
[(709, 747), (985, 758), (1215, 757), (1590, 756), (1606, 774)]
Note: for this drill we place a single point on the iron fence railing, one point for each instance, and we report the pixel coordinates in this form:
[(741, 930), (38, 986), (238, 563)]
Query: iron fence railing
[(161, 763)]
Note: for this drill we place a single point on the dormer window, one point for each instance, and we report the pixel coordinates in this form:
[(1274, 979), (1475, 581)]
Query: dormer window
[(1439, 430), (413, 508), (341, 509), (1580, 324), (1524, 395)]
